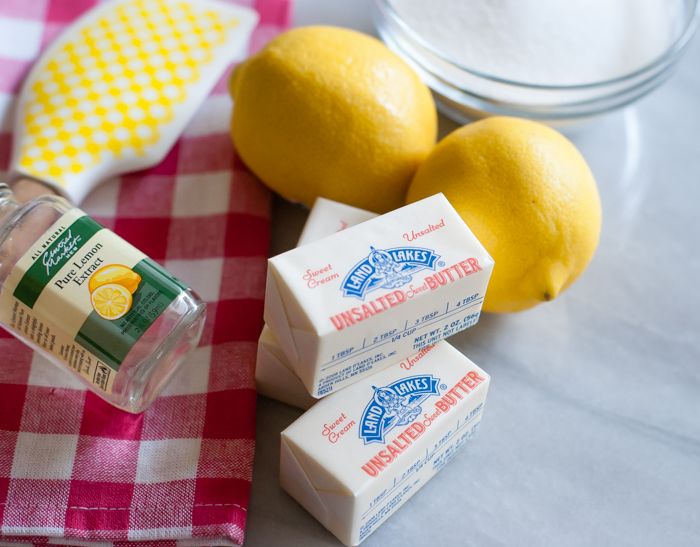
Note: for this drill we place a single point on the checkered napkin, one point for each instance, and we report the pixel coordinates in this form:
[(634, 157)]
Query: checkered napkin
[(74, 469)]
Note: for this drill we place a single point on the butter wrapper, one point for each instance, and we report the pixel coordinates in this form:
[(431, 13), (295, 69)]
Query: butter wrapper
[(356, 456), (328, 217), (345, 306), (274, 376)]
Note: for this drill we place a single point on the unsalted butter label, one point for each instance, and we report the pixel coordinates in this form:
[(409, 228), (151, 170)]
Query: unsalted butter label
[(381, 290), (360, 453), (86, 296)]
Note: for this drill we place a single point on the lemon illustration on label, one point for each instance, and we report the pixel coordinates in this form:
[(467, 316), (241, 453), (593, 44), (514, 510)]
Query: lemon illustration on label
[(111, 289), (115, 273), (111, 301)]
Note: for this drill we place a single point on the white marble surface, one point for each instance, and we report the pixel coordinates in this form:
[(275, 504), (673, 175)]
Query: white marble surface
[(591, 433)]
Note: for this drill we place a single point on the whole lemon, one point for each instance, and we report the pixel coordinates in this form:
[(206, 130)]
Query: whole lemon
[(528, 195), (325, 111)]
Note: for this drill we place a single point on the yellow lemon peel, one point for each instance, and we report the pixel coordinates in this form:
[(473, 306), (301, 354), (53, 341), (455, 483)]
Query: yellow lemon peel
[(528, 195), (324, 111)]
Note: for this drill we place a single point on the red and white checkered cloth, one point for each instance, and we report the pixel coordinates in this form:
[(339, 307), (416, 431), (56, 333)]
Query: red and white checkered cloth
[(73, 468)]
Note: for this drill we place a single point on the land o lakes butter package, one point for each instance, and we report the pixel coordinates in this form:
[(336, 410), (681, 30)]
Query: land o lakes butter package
[(359, 299), (274, 376), (356, 456)]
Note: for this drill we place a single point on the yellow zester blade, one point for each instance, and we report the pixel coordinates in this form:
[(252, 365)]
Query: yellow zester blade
[(116, 89)]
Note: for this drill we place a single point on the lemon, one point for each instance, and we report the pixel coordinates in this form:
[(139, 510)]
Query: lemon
[(528, 195), (115, 273), (111, 301), (324, 111)]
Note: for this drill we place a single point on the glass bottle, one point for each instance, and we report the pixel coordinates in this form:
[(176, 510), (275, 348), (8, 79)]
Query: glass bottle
[(92, 303)]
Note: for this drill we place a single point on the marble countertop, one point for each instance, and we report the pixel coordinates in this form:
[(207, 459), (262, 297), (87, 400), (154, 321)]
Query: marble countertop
[(591, 432)]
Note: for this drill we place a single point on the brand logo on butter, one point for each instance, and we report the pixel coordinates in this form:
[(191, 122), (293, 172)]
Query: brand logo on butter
[(387, 269), (395, 405)]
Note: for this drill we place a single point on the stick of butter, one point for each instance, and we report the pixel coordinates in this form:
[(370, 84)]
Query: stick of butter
[(343, 306), (274, 376), (355, 457), (328, 217)]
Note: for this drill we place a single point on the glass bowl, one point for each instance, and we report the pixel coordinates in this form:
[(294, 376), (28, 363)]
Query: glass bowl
[(465, 94)]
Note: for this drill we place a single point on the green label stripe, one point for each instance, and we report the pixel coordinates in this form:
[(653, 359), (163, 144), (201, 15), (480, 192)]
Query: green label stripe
[(53, 258), (111, 341)]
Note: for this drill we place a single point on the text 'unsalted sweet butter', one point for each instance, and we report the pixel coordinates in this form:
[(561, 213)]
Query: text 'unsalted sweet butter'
[(345, 305), (356, 456)]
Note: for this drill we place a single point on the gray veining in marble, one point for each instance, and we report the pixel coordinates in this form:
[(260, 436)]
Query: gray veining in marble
[(591, 432)]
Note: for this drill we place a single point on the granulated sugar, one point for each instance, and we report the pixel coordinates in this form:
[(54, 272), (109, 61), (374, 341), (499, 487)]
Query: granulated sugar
[(550, 42)]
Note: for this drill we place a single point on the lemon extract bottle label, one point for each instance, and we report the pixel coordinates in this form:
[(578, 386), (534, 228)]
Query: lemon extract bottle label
[(86, 296)]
